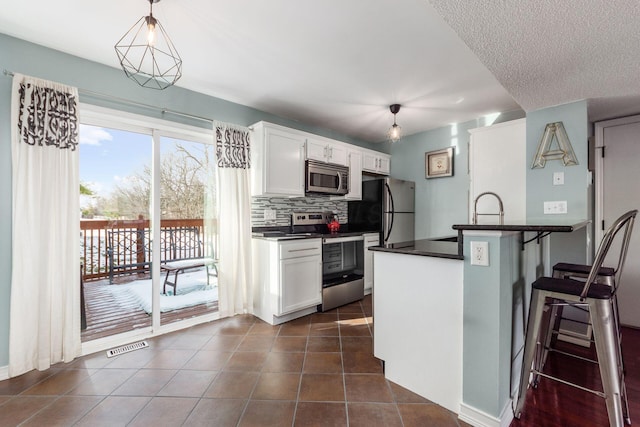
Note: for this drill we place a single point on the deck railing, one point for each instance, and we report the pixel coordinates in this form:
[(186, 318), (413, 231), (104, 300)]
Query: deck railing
[(95, 244)]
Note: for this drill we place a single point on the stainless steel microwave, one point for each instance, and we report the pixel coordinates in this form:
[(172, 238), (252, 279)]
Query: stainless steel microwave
[(326, 178)]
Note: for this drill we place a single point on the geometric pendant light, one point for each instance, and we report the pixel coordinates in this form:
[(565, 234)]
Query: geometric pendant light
[(147, 54)]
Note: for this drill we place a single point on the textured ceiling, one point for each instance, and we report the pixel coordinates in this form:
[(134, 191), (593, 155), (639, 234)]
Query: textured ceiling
[(339, 64), (551, 52)]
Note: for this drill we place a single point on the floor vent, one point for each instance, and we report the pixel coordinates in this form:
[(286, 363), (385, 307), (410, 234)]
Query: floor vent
[(127, 348)]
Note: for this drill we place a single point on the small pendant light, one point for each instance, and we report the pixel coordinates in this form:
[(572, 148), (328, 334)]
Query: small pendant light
[(147, 54), (395, 131)]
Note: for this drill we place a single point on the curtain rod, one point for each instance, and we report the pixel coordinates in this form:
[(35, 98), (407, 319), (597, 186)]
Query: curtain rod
[(127, 101)]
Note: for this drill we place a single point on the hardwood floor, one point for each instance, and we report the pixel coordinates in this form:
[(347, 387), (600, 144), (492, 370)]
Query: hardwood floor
[(555, 404), (107, 315)]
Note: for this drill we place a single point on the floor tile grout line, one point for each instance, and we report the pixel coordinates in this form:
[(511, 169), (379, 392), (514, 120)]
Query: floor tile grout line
[(344, 380), (304, 361), (246, 404)]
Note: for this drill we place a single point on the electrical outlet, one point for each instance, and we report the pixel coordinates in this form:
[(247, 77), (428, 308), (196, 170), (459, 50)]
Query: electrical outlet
[(269, 214), (558, 178), (480, 253), (554, 208)]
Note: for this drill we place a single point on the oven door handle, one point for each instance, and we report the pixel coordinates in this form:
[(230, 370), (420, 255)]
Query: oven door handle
[(329, 240)]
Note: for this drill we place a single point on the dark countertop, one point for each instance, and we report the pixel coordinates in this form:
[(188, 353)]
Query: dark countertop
[(541, 226), (439, 248), (284, 233)]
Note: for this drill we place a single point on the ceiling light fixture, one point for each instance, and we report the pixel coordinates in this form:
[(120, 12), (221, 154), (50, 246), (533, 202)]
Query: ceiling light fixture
[(147, 54), (395, 131)]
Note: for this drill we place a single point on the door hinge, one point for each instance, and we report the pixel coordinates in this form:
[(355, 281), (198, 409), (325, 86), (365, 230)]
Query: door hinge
[(602, 152), (603, 224)]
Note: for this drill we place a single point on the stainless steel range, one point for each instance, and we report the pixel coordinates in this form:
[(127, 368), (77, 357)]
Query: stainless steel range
[(342, 259)]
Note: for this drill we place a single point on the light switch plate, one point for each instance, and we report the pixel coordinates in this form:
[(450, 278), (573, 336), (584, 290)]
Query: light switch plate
[(553, 208), (480, 253), (269, 214)]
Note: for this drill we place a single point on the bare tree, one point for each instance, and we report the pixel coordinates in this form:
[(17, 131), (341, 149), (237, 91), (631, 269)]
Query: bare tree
[(185, 176)]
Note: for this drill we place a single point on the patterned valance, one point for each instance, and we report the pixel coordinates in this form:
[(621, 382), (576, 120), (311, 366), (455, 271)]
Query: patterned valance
[(232, 146), (47, 113)]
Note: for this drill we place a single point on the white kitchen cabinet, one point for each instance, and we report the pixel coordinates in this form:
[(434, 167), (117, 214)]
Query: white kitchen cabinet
[(355, 177), (497, 163), (324, 150), (370, 239), (376, 162), (277, 161), (287, 278)]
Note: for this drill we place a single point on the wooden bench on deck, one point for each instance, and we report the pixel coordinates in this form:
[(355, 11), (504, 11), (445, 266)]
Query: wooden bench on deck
[(181, 249), (177, 267)]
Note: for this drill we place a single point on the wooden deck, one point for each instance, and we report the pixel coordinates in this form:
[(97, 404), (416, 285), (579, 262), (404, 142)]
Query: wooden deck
[(108, 316)]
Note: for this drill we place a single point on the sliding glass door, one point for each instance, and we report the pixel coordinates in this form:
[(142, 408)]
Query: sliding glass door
[(148, 224), (188, 230), (115, 193)]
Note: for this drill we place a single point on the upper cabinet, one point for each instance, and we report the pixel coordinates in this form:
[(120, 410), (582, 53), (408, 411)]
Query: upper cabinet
[(277, 161), (354, 161), (376, 162), (497, 163), (326, 151), (278, 157)]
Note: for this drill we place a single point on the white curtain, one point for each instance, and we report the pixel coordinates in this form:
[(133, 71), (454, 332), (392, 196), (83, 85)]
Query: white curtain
[(45, 282), (234, 226)]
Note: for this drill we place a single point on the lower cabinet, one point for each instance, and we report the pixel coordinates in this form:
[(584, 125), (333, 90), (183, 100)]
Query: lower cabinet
[(370, 239), (298, 287), (287, 278)]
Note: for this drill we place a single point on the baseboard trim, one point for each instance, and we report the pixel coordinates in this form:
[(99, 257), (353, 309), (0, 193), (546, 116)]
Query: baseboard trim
[(4, 373), (478, 418)]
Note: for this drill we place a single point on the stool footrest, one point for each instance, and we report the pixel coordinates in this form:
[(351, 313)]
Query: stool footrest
[(582, 269)]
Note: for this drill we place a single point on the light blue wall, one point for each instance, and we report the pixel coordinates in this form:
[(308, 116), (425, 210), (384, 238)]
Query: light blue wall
[(30, 59), (5, 220), (493, 298), (440, 202), (576, 186)]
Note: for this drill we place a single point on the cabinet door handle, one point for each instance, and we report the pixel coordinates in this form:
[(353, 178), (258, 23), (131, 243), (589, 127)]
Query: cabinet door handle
[(301, 250)]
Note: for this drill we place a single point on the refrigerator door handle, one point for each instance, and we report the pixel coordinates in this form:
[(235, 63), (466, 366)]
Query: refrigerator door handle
[(391, 212), (392, 208)]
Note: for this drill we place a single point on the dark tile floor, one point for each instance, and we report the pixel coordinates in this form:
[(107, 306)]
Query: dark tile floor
[(315, 371)]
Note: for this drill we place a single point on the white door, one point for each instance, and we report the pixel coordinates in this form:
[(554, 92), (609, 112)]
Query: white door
[(618, 191)]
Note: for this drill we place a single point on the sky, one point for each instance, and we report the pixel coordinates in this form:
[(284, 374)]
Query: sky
[(109, 156)]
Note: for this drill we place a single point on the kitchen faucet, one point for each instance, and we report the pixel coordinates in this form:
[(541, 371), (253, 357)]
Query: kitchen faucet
[(475, 207)]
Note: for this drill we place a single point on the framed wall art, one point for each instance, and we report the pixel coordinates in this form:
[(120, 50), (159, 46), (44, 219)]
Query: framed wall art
[(439, 163)]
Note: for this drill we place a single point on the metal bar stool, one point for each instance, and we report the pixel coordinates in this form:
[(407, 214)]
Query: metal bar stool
[(606, 275), (562, 270), (600, 300)]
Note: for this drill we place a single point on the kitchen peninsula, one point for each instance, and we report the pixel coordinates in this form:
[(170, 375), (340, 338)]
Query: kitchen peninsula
[(452, 331)]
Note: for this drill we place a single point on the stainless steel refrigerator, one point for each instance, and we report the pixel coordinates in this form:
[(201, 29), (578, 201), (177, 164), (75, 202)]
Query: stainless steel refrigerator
[(387, 206)]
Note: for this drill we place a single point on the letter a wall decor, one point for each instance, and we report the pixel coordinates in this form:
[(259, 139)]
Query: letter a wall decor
[(564, 150)]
